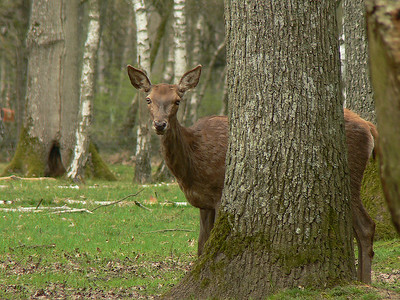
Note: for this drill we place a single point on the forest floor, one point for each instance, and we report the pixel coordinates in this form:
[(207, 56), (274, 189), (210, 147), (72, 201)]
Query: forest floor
[(66, 241)]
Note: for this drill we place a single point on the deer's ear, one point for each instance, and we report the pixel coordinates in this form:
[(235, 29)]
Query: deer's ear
[(139, 79), (190, 79)]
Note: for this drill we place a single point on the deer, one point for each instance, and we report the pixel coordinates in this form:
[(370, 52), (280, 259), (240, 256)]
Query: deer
[(196, 157)]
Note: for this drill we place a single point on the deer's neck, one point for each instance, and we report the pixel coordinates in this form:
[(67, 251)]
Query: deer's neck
[(177, 151)]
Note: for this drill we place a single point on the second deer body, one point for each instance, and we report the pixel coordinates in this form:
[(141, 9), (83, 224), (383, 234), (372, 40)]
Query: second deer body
[(196, 157)]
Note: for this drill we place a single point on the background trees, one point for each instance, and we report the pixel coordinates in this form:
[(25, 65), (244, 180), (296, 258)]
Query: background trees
[(112, 128), (47, 137), (61, 33)]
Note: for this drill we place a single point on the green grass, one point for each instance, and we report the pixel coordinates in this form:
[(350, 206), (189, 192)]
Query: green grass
[(123, 250)]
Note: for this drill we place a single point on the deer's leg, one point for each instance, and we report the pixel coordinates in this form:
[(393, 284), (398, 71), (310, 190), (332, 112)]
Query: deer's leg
[(207, 218), (364, 229)]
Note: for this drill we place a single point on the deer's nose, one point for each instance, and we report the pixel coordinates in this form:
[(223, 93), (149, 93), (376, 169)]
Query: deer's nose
[(160, 125)]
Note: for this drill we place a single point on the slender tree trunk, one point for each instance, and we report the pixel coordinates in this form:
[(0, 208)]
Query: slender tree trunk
[(194, 101), (359, 95), (384, 47), (3, 79), (162, 28), (143, 166), (126, 53), (180, 52), (168, 75), (208, 75), (285, 216), (81, 149)]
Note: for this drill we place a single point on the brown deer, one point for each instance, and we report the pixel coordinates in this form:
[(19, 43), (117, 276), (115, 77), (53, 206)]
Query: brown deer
[(196, 157)]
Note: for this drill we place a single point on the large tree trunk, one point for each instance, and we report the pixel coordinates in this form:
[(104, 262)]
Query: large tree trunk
[(81, 149), (285, 215), (47, 139), (143, 163), (384, 47), (357, 84)]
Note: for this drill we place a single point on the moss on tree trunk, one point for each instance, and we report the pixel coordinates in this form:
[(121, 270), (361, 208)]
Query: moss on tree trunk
[(28, 159), (96, 167), (374, 202), (32, 159)]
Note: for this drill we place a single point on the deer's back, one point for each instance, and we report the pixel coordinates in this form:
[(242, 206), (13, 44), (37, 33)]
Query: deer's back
[(360, 143)]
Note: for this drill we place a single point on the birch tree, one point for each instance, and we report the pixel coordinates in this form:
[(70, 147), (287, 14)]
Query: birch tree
[(179, 27), (285, 216), (81, 149), (180, 51), (143, 163)]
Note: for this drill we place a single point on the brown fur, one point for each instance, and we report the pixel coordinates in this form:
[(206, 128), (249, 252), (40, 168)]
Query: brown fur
[(196, 157), (360, 136)]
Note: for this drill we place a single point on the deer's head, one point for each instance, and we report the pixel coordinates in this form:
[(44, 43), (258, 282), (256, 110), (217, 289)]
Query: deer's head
[(163, 99)]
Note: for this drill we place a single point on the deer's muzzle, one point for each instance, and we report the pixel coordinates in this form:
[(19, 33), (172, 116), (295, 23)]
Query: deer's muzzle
[(160, 127)]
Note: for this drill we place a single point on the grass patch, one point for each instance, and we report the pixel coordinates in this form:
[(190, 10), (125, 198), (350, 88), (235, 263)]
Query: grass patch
[(123, 250)]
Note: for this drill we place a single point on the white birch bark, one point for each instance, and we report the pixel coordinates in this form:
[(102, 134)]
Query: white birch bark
[(80, 153), (179, 38), (143, 46), (180, 52), (143, 166)]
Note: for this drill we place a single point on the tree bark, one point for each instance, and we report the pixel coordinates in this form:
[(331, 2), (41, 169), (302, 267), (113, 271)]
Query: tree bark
[(285, 215), (81, 149), (143, 163), (384, 45), (357, 84)]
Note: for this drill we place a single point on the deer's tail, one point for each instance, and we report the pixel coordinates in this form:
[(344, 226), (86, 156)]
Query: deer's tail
[(375, 135)]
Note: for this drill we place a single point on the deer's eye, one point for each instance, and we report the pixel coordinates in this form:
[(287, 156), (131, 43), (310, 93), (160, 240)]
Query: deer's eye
[(148, 100), (177, 102)]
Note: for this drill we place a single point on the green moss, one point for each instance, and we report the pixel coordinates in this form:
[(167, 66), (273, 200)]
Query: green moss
[(205, 283), (98, 168), (27, 160), (374, 201), (224, 245)]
